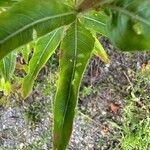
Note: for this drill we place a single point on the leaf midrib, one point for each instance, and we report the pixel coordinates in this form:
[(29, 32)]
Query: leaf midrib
[(32, 24), (72, 76)]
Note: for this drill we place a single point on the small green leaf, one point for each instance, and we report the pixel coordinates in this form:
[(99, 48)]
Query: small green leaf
[(95, 21), (100, 52), (76, 50), (26, 50), (7, 88), (7, 66), (44, 48)]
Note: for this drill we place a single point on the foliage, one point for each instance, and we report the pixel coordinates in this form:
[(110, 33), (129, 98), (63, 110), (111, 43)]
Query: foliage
[(145, 72), (87, 91), (72, 25), (44, 48), (135, 129)]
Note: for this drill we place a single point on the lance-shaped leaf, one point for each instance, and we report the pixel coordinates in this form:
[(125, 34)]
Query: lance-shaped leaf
[(44, 48), (26, 50), (7, 66), (129, 26), (96, 21), (100, 52), (18, 23), (76, 50)]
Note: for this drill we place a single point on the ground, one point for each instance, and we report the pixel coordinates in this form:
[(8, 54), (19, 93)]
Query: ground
[(104, 109)]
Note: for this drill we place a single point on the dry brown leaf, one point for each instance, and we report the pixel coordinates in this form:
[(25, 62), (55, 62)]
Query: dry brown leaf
[(114, 107)]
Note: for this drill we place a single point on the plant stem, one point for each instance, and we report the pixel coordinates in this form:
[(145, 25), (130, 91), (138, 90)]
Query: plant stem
[(88, 4)]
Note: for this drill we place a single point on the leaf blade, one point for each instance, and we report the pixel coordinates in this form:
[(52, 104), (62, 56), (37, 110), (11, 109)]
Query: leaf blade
[(73, 61), (18, 23), (7, 66), (100, 52), (96, 21), (26, 50), (44, 48)]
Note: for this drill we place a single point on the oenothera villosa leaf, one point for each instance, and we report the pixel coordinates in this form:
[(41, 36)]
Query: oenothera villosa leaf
[(129, 26), (96, 21), (44, 48), (76, 50), (18, 24)]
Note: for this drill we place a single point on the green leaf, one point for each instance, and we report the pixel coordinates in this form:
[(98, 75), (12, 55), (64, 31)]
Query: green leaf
[(26, 50), (100, 52), (2, 82), (44, 48), (129, 25), (68, 2), (95, 21), (75, 53), (7, 88), (18, 24), (7, 66), (7, 3)]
